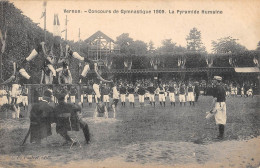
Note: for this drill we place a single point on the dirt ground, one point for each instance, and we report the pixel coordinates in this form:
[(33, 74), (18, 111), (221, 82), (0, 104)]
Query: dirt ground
[(148, 137)]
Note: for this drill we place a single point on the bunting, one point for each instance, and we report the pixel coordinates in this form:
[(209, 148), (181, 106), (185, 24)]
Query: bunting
[(232, 62), (209, 61), (255, 61), (154, 62), (56, 26), (181, 61), (128, 63)]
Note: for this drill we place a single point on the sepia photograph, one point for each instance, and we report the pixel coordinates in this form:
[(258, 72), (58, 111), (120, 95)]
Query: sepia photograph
[(138, 84)]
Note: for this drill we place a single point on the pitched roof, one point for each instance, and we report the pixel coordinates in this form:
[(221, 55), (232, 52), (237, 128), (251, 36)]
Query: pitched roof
[(97, 34)]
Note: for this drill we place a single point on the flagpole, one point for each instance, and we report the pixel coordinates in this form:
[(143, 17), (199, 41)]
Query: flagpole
[(66, 22), (79, 39), (45, 23), (79, 53), (2, 28)]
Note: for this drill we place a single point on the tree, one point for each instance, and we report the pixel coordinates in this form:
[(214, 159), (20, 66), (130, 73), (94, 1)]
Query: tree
[(167, 46), (227, 45), (138, 47), (151, 46), (180, 49), (258, 46), (124, 42), (170, 47), (194, 42)]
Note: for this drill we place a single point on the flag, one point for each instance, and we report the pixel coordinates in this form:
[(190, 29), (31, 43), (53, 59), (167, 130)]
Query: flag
[(44, 9), (151, 62), (230, 61), (209, 61), (56, 26), (255, 61)]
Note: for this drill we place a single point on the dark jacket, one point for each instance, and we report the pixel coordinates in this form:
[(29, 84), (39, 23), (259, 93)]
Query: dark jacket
[(220, 93), (66, 117), (41, 117)]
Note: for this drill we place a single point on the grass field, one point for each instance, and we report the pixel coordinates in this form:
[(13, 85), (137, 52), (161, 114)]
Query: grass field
[(146, 137)]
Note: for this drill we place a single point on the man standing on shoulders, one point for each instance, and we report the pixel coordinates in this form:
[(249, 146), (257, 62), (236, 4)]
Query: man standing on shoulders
[(219, 108)]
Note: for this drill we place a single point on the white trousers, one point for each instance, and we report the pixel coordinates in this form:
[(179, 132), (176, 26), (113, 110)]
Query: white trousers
[(152, 98), (141, 98), (220, 112), (122, 96), (162, 97), (172, 97), (131, 98)]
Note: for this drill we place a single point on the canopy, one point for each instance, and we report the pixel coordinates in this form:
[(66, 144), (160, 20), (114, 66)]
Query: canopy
[(247, 70)]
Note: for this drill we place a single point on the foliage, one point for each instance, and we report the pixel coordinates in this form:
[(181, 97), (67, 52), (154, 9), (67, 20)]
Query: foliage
[(170, 47), (258, 46), (151, 46), (124, 42), (194, 42), (138, 47), (242, 59), (167, 46), (227, 45)]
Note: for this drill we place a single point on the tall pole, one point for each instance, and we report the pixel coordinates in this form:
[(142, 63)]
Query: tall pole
[(2, 28), (66, 30), (45, 23), (79, 39), (79, 52)]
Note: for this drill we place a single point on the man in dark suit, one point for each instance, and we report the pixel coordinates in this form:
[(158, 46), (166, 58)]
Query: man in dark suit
[(41, 117), (68, 118)]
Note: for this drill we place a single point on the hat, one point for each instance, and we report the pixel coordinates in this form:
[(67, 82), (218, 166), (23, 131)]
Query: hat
[(47, 93), (218, 78)]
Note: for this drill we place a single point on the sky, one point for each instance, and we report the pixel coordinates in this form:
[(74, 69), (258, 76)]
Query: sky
[(239, 19)]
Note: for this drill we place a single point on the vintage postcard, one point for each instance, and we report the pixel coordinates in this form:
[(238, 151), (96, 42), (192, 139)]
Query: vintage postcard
[(113, 84)]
